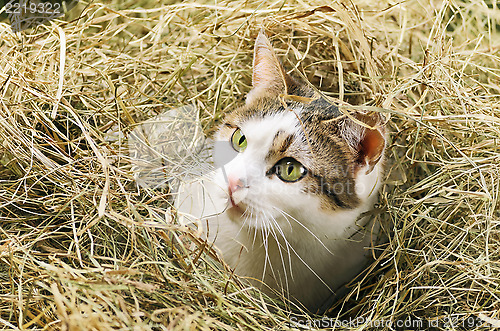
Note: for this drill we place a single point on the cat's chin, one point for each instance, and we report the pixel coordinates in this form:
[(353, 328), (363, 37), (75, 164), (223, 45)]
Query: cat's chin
[(238, 214), (247, 221), (235, 211)]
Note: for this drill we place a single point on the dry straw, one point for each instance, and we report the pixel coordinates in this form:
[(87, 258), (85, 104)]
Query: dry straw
[(81, 247)]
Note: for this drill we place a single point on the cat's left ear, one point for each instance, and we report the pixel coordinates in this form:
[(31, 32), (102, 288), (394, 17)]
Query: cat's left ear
[(269, 76), (367, 140)]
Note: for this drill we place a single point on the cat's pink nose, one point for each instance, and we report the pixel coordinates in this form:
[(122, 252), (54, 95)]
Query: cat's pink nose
[(234, 183)]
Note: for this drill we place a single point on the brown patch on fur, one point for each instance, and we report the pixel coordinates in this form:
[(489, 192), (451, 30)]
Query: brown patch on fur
[(332, 174)]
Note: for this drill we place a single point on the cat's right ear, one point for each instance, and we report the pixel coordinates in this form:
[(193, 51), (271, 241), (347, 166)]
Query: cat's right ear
[(368, 141), (269, 76)]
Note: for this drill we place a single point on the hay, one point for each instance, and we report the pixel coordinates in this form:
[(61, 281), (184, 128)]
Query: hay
[(81, 247)]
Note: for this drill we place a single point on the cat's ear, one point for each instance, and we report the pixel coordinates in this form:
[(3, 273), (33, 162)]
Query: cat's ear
[(269, 76), (366, 135)]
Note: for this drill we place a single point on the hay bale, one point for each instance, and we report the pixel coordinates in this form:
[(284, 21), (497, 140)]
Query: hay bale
[(81, 246)]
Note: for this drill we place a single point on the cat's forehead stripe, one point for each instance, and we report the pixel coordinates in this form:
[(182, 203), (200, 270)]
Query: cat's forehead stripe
[(280, 145), (270, 134)]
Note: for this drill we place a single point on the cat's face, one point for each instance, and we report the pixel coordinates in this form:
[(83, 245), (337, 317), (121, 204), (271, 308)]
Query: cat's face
[(267, 177), (295, 156)]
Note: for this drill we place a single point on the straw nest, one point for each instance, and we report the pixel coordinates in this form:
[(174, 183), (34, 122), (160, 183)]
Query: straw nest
[(83, 247)]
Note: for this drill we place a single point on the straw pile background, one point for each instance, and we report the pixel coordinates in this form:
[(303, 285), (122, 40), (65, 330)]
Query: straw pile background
[(81, 247)]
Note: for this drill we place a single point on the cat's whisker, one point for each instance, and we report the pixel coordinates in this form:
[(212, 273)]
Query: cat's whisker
[(280, 246), (273, 225), (255, 236), (311, 270), (246, 218), (284, 278), (277, 277), (267, 259), (286, 215), (264, 242), (287, 246)]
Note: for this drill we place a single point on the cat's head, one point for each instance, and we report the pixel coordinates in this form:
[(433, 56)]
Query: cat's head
[(297, 153)]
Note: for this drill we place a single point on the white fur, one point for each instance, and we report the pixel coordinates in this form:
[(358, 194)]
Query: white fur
[(285, 238)]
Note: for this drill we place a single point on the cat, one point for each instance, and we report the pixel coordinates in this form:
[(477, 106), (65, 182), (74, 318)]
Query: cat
[(285, 210)]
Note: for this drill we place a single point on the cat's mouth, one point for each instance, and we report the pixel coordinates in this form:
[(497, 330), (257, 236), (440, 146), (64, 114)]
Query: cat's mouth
[(235, 209), (233, 204)]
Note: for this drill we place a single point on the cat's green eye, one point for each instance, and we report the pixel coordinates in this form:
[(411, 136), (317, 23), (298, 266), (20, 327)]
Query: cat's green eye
[(239, 141), (289, 170)]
